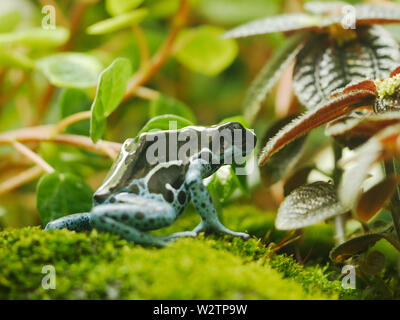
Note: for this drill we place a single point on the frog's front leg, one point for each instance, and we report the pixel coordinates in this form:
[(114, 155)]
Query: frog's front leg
[(133, 216), (203, 203)]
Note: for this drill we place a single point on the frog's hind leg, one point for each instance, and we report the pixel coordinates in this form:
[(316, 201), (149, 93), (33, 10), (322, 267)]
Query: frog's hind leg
[(76, 222), (132, 218)]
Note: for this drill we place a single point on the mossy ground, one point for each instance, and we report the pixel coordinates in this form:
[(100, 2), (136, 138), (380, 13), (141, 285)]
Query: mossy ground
[(103, 266)]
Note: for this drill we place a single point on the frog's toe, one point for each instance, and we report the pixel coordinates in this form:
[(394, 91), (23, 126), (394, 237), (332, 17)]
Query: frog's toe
[(175, 236)]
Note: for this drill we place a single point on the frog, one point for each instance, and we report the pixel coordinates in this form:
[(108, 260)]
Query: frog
[(147, 189)]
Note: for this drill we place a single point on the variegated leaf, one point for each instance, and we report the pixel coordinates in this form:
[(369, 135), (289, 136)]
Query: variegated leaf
[(323, 67), (269, 75), (375, 14), (308, 205), (322, 7), (281, 23), (333, 109), (283, 162), (357, 127), (354, 246)]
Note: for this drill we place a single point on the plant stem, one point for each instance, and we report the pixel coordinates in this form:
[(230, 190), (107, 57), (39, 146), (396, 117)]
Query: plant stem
[(33, 156), (392, 169), (46, 134), (20, 179), (161, 55), (340, 222)]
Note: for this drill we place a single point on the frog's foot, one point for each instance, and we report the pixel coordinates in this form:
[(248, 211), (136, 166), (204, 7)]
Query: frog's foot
[(75, 222), (218, 227), (176, 236)]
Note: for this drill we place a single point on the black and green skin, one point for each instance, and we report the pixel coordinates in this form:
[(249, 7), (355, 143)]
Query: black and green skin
[(138, 196)]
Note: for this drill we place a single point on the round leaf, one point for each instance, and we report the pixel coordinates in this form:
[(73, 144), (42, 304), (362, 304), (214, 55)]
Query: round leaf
[(36, 38), (117, 23), (308, 205), (117, 7), (203, 50), (374, 264), (372, 201), (164, 122), (9, 21), (71, 70), (168, 105), (110, 92), (60, 194), (354, 246)]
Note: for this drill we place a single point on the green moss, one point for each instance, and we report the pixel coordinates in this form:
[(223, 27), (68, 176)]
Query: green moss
[(103, 266), (95, 266)]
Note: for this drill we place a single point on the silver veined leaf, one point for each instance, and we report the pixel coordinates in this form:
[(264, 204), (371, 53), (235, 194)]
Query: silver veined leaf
[(269, 75), (283, 162), (322, 7), (323, 67), (371, 14), (337, 106), (354, 246), (308, 205), (281, 23)]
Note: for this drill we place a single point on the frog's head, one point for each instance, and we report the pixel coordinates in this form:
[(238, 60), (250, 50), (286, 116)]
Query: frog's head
[(119, 173), (238, 142)]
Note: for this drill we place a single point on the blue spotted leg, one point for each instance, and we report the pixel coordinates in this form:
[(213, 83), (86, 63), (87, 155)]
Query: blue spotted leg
[(202, 200), (130, 217)]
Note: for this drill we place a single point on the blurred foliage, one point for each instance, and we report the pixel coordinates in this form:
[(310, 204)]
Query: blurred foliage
[(114, 58)]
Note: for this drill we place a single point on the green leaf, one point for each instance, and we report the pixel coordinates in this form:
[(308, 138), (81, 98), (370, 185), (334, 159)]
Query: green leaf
[(164, 122), (36, 38), (60, 194), (203, 50), (223, 184), (168, 105), (239, 119), (9, 21), (72, 101), (117, 23), (285, 160), (269, 75), (232, 12), (110, 92), (117, 7), (16, 60), (70, 70), (308, 205)]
